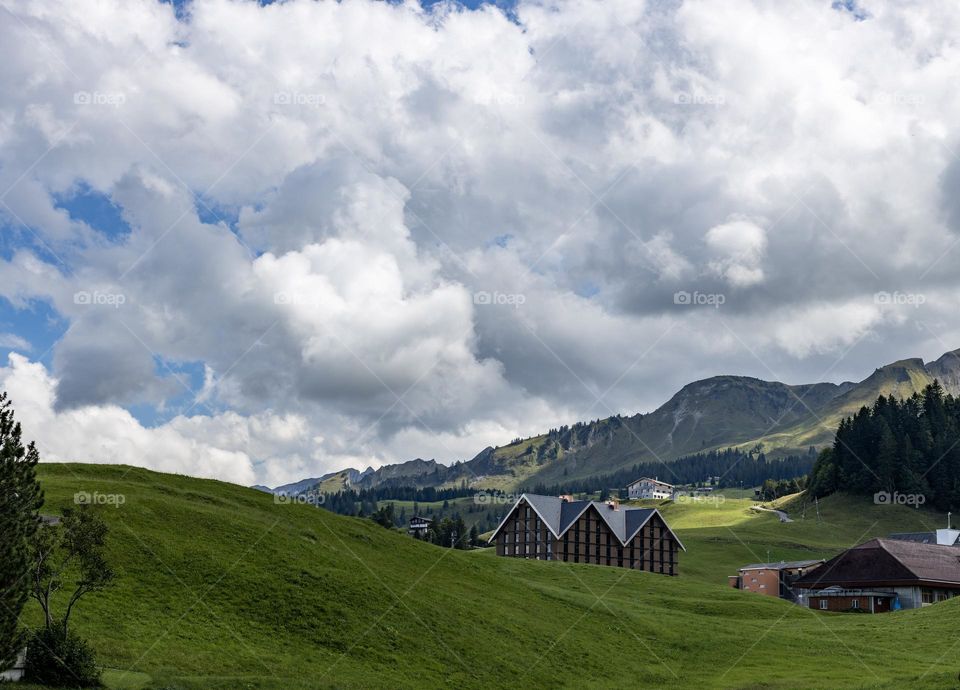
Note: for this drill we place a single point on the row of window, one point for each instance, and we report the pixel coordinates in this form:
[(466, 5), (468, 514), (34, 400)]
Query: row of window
[(637, 564), (589, 539), (854, 604)]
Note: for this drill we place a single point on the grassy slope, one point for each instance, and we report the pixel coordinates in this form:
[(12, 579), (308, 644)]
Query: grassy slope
[(220, 587)]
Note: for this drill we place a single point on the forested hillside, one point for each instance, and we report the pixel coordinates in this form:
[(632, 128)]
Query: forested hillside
[(910, 447)]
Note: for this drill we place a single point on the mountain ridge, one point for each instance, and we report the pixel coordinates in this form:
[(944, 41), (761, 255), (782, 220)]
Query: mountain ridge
[(722, 411)]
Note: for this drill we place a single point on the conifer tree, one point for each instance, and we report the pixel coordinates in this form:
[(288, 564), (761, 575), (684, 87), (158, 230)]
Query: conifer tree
[(20, 501)]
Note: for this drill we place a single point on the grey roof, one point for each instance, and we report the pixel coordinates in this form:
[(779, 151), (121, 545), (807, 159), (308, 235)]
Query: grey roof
[(781, 565), (920, 537), (559, 515), (649, 479)]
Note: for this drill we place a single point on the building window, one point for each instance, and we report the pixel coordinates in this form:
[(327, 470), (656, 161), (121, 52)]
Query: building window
[(855, 604), (506, 550), (823, 604), (927, 596)]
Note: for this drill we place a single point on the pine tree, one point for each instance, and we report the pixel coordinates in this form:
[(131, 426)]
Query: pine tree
[(20, 502)]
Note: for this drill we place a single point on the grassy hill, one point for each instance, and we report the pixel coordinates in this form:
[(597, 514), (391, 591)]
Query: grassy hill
[(220, 587)]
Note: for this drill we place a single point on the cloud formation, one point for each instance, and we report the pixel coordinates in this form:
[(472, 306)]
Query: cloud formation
[(380, 232)]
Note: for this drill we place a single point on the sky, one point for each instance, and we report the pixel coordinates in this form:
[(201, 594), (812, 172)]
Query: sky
[(264, 242)]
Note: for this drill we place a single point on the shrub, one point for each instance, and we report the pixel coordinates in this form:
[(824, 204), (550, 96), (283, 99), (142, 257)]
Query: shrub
[(60, 659)]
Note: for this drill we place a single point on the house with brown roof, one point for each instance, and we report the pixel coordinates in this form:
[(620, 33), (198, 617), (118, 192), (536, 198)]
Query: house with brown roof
[(556, 528), (884, 575)]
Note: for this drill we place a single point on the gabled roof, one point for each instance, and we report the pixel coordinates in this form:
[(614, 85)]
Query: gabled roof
[(559, 515), (649, 479), (888, 561)]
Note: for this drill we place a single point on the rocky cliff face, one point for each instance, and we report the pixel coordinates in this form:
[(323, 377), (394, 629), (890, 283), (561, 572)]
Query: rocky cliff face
[(947, 371)]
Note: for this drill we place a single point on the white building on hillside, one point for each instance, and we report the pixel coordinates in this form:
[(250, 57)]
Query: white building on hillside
[(647, 488)]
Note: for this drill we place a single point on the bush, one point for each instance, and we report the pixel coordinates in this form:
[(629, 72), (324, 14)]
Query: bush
[(60, 660)]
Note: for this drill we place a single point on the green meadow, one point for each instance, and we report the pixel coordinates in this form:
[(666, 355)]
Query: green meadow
[(220, 587)]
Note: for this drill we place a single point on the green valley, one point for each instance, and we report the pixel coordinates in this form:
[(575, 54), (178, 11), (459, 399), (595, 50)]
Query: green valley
[(220, 586)]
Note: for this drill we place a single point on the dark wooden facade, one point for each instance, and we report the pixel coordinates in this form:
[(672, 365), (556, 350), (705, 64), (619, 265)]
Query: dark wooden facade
[(588, 540)]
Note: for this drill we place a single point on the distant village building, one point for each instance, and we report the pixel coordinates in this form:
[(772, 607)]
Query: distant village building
[(943, 537), (773, 579), (884, 575), (419, 526), (647, 488), (554, 528), (16, 672)]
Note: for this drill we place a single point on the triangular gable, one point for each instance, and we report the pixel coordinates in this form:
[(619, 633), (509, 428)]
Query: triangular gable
[(560, 524)]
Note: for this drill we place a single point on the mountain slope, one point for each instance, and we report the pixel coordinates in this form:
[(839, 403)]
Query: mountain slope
[(900, 379), (714, 413), (219, 586)]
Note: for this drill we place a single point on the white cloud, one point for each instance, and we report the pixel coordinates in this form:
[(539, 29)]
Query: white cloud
[(739, 246), (14, 342), (318, 191)]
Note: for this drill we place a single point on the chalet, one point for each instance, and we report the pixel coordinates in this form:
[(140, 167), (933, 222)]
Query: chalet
[(884, 575), (646, 488), (419, 526), (555, 528), (773, 579)]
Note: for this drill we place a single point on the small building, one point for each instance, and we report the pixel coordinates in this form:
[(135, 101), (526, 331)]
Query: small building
[(943, 537), (773, 579), (884, 575), (646, 488), (419, 526), (16, 672), (553, 528)]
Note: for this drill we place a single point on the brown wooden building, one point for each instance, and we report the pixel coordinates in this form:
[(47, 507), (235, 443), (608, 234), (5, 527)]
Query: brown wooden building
[(555, 528), (883, 575)]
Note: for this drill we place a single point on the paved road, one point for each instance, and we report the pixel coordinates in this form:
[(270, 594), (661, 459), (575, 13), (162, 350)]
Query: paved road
[(782, 515)]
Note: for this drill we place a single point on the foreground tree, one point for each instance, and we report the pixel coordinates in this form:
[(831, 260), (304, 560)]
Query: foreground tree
[(20, 502), (70, 557), (69, 554)]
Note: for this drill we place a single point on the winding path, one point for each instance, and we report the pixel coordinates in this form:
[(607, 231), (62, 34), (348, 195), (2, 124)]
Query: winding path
[(782, 515)]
